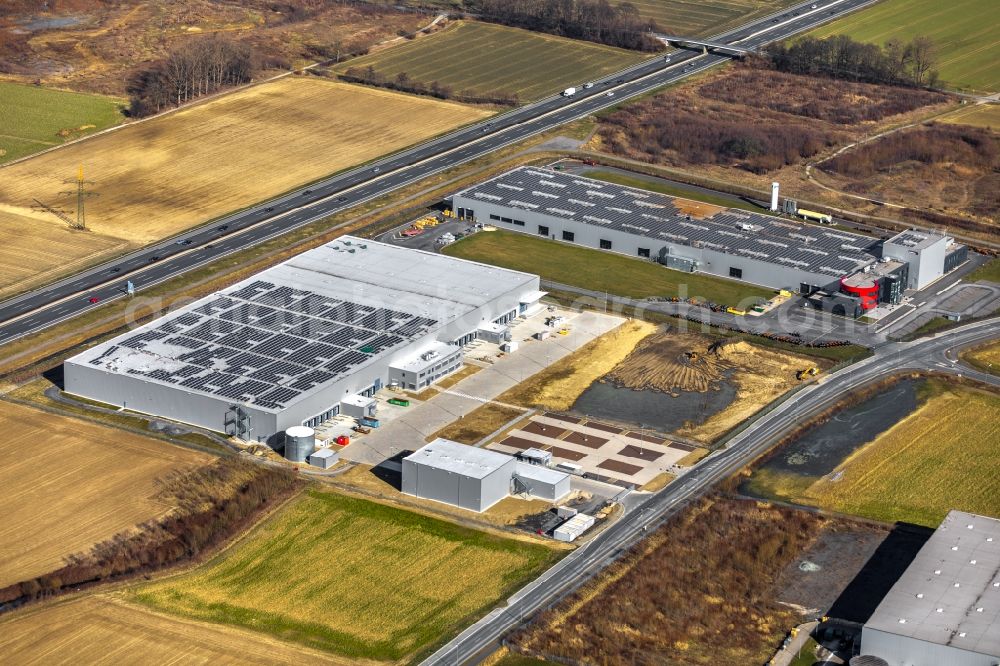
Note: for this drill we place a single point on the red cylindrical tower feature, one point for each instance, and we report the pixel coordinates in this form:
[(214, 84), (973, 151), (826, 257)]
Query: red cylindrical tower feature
[(864, 286)]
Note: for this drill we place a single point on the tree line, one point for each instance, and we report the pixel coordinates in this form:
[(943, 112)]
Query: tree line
[(591, 20), (403, 83), (909, 63), (212, 503), (197, 68)]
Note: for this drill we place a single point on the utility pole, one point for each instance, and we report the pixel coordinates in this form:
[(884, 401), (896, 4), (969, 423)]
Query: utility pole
[(81, 195)]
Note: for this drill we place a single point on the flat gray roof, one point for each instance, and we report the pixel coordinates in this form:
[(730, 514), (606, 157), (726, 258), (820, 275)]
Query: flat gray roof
[(650, 214), (917, 240), (950, 593), (304, 323), (539, 473), (459, 458)]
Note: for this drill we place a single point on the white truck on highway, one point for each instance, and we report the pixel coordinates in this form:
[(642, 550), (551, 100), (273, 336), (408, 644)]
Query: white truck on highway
[(569, 92)]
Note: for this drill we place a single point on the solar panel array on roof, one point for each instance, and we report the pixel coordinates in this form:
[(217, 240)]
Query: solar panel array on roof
[(649, 214), (263, 344)]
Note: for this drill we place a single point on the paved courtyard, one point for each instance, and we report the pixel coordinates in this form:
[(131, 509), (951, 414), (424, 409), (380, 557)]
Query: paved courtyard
[(409, 428), (621, 455)]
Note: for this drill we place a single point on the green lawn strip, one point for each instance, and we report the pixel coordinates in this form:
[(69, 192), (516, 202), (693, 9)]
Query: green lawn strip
[(990, 271), (963, 30), (806, 656), (672, 190), (484, 58), (326, 543), (33, 117), (932, 325), (598, 271)]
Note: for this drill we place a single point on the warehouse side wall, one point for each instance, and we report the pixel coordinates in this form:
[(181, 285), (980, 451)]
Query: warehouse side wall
[(676, 255), (139, 395)]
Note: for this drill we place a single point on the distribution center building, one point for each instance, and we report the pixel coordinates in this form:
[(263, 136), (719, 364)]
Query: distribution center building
[(297, 342), (692, 236), (474, 478), (945, 608)]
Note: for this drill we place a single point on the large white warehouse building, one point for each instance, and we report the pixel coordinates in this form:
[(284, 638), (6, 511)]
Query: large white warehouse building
[(299, 342), (690, 236), (945, 609)]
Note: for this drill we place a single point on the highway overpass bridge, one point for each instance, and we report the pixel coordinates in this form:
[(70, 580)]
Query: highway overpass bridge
[(705, 45)]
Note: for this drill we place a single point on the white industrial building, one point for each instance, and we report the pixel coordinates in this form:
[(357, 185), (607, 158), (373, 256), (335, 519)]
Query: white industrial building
[(305, 340), (945, 609), (475, 479), (687, 236), (929, 255)]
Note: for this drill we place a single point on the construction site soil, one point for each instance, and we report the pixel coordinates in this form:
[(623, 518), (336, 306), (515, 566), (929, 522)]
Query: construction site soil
[(692, 385)]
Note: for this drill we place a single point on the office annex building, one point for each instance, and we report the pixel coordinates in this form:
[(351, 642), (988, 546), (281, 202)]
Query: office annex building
[(306, 339), (688, 236)]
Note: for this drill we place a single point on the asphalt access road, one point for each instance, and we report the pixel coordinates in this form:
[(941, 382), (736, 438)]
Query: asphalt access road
[(938, 354), (39, 309)]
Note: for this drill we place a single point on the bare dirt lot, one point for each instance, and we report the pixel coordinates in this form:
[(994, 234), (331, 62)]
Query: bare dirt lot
[(102, 629), (157, 178), (671, 362), (69, 484)]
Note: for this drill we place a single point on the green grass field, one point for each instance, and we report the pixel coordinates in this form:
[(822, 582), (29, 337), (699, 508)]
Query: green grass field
[(597, 270), (482, 57), (965, 32), (35, 118), (990, 271), (705, 17), (977, 115), (942, 456), (353, 577)]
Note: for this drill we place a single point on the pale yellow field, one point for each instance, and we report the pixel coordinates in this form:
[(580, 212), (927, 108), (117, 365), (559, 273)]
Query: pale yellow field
[(942, 456), (986, 358), (68, 484), (159, 177), (23, 257), (104, 630), (979, 115)]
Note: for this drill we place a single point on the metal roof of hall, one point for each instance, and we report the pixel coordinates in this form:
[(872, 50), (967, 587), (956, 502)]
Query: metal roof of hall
[(950, 593), (653, 215), (463, 459), (286, 332)]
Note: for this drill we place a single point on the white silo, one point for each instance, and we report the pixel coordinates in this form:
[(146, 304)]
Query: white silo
[(300, 442), (774, 197)]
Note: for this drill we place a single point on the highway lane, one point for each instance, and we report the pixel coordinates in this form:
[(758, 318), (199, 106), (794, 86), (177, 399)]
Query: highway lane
[(932, 354), (154, 264)]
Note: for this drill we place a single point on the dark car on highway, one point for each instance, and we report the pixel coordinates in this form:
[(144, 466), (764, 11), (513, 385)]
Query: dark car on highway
[(222, 228)]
